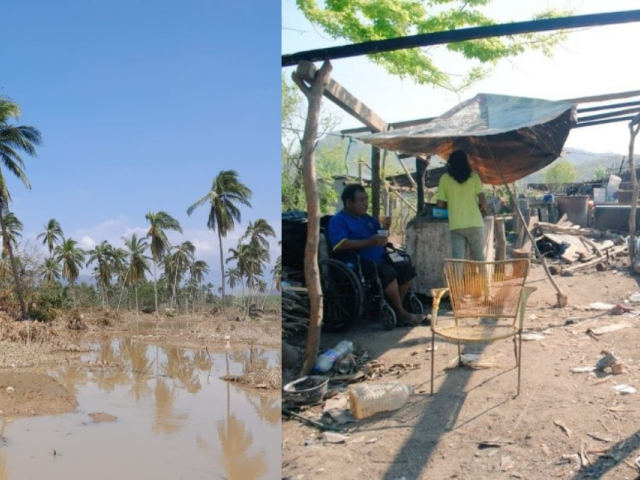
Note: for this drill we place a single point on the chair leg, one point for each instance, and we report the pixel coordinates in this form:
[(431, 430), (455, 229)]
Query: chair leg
[(459, 355), (433, 347), (515, 349)]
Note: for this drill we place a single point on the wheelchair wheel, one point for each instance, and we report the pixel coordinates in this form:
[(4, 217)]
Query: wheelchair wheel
[(387, 317), (343, 295), (414, 304)]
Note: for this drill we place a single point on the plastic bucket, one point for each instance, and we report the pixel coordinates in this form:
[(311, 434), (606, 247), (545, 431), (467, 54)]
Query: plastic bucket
[(575, 207)]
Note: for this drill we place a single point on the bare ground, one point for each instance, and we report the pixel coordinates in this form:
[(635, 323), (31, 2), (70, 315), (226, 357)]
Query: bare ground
[(563, 424), (28, 348)]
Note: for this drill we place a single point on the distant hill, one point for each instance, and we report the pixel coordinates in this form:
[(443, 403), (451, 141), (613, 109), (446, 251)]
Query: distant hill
[(585, 161)]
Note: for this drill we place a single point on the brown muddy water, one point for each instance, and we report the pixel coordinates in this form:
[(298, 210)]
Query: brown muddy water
[(175, 419)]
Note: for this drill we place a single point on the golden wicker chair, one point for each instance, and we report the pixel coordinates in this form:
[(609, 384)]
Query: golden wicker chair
[(488, 301)]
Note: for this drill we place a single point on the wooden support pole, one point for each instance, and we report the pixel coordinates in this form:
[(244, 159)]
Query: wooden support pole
[(501, 238), (421, 170), (311, 271), (633, 130), (375, 181)]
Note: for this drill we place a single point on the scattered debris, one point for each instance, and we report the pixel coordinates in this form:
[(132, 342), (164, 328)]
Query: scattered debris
[(602, 438), (331, 437), (563, 427), (532, 336), (624, 389), (606, 329)]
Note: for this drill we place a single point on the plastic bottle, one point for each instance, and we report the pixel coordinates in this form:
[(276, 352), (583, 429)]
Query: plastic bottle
[(327, 360), (367, 400)]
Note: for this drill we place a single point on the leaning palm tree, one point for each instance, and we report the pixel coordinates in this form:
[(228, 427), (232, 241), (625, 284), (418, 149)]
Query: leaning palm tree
[(159, 223), (138, 263), (277, 274), (13, 227), (102, 255), (14, 139), (226, 192), (234, 278), (52, 235), (72, 259), (257, 234)]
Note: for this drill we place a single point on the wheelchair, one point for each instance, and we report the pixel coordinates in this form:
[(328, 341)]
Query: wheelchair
[(350, 295)]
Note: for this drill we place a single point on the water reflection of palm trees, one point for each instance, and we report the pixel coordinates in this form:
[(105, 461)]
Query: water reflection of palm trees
[(141, 366), (238, 462), (112, 374), (251, 359), (167, 421), (181, 367)]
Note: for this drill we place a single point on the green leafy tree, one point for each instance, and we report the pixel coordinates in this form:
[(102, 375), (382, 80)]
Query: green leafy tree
[(159, 224), (13, 140), (329, 160), (364, 20), (600, 173), (227, 191), (559, 174)]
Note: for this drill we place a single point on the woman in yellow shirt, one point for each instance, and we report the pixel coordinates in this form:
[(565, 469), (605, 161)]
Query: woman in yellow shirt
[(460, 192)]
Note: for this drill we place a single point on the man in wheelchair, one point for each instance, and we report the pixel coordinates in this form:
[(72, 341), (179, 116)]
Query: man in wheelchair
[(352, 230)]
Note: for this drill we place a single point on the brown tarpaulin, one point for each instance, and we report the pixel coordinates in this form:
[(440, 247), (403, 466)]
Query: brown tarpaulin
[(518, 135)]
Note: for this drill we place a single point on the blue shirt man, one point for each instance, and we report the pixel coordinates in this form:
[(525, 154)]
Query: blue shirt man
[(354, 231)]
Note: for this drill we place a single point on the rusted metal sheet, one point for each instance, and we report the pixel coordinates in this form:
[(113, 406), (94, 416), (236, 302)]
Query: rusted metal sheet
[(505, 138)]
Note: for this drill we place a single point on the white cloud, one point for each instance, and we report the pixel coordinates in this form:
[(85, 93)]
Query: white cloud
[(87, 242)]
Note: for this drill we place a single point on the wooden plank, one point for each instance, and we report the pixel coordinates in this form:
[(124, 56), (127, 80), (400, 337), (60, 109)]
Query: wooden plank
[(350, 104), (344, 99)]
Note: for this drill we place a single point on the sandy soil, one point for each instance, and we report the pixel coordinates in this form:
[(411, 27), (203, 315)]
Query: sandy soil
[(563, 424), (28, 348)]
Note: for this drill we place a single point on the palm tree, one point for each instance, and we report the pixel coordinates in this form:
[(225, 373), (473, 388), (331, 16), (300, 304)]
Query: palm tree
[(226, 192), (138, 263), (182, 259), (72, 258), (250, 260), (51, 271), (277, 273), (52, 235), (102, 254), (158, 224), (257, 233), (234, 277), (197, 271), (13, 227), (14, 139)]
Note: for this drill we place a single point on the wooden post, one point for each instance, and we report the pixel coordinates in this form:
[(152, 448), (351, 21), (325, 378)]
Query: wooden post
[(421, 169), (501, 238), (375, 181), (633, 130), (314, 94)]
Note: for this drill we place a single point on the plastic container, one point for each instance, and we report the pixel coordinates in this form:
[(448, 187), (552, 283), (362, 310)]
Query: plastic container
[(367, 400), (327, 360)]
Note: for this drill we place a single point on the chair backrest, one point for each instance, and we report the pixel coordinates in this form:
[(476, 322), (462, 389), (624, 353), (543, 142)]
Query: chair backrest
[(486, 289)]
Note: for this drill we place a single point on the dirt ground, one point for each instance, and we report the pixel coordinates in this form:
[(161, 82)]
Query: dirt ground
[(29, 348), (563, 424)]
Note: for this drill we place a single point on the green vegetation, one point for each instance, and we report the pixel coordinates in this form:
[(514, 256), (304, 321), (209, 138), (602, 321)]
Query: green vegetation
[(364, 20), (559, 174)]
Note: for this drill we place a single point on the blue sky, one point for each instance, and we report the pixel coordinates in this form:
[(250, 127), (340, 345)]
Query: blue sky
[(592, 61), (140, 104)]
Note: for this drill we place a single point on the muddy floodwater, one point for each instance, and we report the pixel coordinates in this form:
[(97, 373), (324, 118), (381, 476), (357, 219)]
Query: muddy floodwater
[(174, 419)]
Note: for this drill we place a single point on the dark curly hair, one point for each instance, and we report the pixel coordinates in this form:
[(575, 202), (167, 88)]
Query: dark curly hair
[(458, 166)]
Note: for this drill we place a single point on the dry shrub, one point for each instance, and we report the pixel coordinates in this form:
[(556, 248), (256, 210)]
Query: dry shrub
[(26, 331), (270, 378), (75, 321)]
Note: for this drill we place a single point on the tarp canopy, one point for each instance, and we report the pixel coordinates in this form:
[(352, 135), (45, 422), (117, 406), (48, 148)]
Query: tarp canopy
[(505, 138)]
